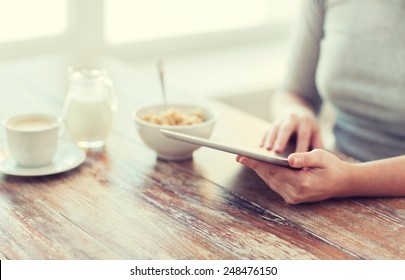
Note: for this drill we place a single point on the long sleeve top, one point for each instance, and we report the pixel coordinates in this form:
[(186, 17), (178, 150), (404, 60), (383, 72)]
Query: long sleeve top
[(352, 54)]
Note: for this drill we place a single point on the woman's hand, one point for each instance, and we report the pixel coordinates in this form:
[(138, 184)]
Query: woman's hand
[(302, 123), (322, 175)]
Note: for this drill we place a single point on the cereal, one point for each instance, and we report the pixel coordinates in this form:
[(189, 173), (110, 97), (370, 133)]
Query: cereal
[(174, 117)]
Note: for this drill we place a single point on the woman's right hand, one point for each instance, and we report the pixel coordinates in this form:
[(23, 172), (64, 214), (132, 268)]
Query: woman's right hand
[(303, 124)]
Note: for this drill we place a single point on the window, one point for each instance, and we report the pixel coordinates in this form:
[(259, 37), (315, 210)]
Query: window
[(25, 19), (147, 20), (149, 26), (143, 20)]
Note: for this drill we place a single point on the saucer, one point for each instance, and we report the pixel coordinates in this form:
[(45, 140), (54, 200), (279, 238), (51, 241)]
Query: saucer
[(67, 157)]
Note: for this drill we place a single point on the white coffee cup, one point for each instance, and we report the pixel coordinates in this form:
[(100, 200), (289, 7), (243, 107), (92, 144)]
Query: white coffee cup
[(32, 139)]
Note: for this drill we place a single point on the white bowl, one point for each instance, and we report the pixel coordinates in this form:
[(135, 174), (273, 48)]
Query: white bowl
[(165, 147)]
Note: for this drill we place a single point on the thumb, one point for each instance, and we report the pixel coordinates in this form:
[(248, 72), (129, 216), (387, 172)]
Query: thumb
[(314, 158)]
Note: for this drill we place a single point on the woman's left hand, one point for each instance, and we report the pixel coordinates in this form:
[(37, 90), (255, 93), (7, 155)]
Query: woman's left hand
[(322, 175)]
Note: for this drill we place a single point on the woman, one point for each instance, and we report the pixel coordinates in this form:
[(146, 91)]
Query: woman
[(351, 53)]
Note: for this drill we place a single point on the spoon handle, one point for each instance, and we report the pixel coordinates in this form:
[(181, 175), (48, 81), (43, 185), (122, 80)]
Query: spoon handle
[(162, 80)]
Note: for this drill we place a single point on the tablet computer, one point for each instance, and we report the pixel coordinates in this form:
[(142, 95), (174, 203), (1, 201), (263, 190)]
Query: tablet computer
[(227, 148)]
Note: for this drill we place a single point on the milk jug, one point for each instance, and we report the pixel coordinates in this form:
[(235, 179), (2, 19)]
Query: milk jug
[(89, 106)]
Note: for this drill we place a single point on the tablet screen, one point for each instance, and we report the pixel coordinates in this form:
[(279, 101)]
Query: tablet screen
[(243, 151)]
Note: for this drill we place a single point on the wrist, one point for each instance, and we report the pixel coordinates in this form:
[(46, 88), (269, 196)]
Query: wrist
[(349, 185)]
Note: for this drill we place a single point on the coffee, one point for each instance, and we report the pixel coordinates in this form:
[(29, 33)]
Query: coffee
[(32, 139), (34, 123)]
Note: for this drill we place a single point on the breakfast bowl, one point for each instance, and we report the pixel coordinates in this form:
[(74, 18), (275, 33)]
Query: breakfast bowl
[(190, 119)]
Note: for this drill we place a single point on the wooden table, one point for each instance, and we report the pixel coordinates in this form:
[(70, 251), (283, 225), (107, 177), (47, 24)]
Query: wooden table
[(123, 203)]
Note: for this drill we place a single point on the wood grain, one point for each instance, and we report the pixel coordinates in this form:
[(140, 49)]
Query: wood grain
[(123, 203)]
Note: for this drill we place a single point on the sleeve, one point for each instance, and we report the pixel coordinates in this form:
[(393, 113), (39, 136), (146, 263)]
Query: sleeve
[(304, 54)]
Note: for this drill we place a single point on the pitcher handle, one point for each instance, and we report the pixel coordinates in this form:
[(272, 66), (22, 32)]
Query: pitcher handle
[(112, 95)]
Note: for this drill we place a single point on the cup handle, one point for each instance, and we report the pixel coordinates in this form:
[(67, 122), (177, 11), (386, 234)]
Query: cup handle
[(112, 95)]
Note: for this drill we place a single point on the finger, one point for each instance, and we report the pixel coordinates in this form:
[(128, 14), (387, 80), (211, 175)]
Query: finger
[(257, 165), (274, 176), (264, 139), (303, 138), (266, 136), (284, 134), (316, 140), (314, 158), (271, 138)]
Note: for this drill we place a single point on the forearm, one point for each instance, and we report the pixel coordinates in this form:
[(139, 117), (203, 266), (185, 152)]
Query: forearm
[(384, 177), (283, 103)]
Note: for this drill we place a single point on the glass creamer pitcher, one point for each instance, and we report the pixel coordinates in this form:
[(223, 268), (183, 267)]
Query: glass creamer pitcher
[(89, 106)]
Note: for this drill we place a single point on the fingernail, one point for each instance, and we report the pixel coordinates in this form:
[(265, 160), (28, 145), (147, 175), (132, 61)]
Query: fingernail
[(296, 160)]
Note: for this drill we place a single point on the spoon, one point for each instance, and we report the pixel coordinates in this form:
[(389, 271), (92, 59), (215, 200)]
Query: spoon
[(162, 81)]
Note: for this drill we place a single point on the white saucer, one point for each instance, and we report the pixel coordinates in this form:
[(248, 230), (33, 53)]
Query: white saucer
[(67, 157)]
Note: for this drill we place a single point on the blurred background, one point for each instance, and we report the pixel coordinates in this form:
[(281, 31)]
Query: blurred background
[(231, 50)]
